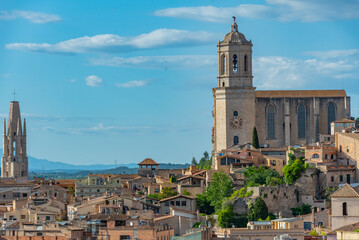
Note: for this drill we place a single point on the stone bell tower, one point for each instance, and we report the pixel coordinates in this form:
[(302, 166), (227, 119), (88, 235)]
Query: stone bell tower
[(14, 163), (234, 98)]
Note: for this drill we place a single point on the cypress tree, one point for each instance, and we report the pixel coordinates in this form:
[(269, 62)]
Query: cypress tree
[(255, 141)]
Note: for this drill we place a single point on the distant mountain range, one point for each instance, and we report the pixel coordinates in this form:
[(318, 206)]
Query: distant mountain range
[(44, 165)]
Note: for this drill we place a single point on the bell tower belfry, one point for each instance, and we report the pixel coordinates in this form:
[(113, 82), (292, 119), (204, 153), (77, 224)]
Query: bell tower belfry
[(234, 98), (14, 162)]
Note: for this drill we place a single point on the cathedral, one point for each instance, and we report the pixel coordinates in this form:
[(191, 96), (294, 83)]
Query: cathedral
[(282, 118), (14, 163)]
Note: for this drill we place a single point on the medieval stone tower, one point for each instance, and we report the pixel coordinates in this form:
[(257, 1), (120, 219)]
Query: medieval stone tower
[(14, 163), (234, 98)]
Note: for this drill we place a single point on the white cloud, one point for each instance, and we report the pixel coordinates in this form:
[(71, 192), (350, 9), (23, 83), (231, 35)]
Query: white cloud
[(288, 73), (93, 81), (72, 80), (35, 17), (159, 62), (280, 10), (131, 84), (115, 43), (333, 53)]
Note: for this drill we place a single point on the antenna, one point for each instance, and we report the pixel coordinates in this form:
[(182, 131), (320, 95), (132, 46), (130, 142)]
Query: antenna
[(342, 81)]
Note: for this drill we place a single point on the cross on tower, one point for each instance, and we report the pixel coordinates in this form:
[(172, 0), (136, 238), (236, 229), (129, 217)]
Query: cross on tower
[(14, 93), (234, 19)]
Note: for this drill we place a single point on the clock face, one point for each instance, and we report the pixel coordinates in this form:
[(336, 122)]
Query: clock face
[(236, 122)]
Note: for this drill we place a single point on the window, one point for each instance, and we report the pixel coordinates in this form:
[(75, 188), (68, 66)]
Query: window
[(235, 114), (222, 84), (184, 203), (47, 218), (332, 178), (332, 156), (331, 115), (178, 203), (223, 161), (167, 204), (245, 63), (23, 216), (347, 148), (235, 64), (315, 156), (24, 195), (156, 190), (345, 209), (301, 121), (326, 156), (341, 178), (270, 122), (223, 67), (172, 203), (340, 149), (235, 140)]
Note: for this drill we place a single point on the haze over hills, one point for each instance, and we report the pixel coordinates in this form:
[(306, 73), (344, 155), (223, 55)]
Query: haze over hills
[(36, 164), (44, 165)]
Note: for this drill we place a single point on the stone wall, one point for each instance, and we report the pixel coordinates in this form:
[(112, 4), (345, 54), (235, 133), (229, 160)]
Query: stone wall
[(282, 198)]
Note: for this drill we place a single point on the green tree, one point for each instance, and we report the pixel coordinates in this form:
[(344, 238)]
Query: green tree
[(293, 171), (173, 179), (186, 193), (304, 209), (292, 158), (194, 161), (167, 192), (226, 217), (220, 188), (257, 176), (258, 210), (255, 141), (204, 205)]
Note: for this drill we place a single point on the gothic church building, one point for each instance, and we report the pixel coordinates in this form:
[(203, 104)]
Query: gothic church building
[(282, 118), (14, 163)]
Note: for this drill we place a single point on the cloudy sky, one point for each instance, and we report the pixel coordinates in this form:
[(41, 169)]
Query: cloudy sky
[(100, 81)]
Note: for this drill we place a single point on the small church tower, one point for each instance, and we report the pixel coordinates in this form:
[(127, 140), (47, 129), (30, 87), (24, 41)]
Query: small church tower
[(234, 98), (14, 163)]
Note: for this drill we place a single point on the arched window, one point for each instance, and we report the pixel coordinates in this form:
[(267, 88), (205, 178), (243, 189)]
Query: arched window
[(223, 64), (235, 140), (331, 115), (270, 122), (301, 121), (235, 64), (326, 156), (245, 63), (315, 155), (332, 156), (235, 114), (345, 209), (14, 148)]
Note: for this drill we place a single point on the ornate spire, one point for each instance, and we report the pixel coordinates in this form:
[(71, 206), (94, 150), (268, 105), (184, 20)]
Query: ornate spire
[(234, 25), (4, 130)]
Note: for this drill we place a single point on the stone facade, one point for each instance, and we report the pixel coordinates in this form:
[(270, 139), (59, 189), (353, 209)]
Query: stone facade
[(14, 163), (348, 146), (345, 206), (282, 118)]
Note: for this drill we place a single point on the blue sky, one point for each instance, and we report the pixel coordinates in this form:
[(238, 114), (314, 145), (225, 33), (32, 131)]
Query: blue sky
[(100, 81)]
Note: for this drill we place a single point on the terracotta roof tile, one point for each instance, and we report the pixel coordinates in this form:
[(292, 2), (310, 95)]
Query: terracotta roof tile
[(344, 120), (148, 161), (300, 93)]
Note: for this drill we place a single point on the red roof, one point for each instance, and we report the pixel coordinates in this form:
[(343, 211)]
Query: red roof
[(148, 161)]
